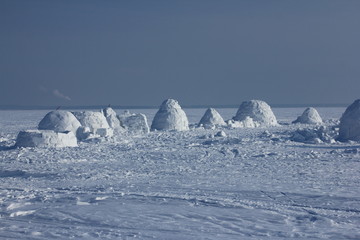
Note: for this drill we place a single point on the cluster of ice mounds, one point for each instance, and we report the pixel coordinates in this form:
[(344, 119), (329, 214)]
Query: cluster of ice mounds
[(46, 138), (309, 116), (170, 117), (211, 119), (134, 123), (315, 135), (349, 128), (259, 111)]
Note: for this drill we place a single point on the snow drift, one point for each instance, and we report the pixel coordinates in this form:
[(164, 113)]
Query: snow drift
[(170, 117), (45, 138), (135, 123), (258, 110), (349, 128), (211, 118), (309, 116), (59, 121)]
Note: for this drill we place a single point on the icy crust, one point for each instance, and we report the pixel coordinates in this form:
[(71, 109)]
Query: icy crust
[(258, 110), (134, 123), (211, 118), (112, 119), (309, 116), (59, 121), (45, 138), (170, 117), (349, 128)]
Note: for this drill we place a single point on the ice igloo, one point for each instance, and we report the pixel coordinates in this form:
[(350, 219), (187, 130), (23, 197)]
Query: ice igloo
[(134, 123), (112, 119), (45, 138), (170, 117), (211, 118), (94, 124), (309, 116), (59, 121), (258, 110), (349, 128)]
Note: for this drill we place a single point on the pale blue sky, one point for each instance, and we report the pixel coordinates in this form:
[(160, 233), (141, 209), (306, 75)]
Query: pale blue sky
[(199, 52)]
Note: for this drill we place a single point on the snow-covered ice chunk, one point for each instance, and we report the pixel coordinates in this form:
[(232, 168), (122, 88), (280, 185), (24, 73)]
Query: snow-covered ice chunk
[(309, 116), (134, 123), (246, 123), (220, 134), (112, 118), (170, 117), (349, 128), (211, 118), (258, 110), (92, 120), (59, 121), (45, 138), (314, 135)]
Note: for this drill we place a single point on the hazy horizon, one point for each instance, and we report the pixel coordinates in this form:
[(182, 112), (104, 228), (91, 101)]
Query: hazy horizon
[(202, 53)]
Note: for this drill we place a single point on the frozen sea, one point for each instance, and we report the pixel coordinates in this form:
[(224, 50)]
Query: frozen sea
[(181, 185)]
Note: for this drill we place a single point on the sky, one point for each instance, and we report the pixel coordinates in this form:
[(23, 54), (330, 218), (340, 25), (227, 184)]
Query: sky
[(200, 52)]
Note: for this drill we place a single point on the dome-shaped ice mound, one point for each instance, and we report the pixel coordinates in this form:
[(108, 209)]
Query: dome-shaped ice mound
[(349, 128), (170, 117), (59, 121), (92, 120), (212, 118), (45, 138), (258, 110), (309, 116)]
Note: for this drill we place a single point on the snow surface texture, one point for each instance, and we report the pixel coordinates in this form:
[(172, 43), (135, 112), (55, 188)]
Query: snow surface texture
[(211, 118), (94, 125), (45, 138), (170, 117), (135, 123), (350, 123), (309, 116), (112, 119), (59, 121), (258, 110), (249, 183)]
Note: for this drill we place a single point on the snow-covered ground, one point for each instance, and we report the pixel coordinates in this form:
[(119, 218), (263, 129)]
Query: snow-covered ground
[(252, 184)]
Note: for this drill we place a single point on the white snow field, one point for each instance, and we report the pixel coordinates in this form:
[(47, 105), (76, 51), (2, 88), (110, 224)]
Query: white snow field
[(249, 183)]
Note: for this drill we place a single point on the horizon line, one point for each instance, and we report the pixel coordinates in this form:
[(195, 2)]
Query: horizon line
[(53, 107)]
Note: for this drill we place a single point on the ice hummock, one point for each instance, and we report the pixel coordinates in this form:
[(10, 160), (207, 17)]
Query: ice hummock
[(258, 110), (170, 117), (45, 138), (134, 123), (94, 124), (309, 116), (211, 118), (59, 121), (112, 119), (349, 128)]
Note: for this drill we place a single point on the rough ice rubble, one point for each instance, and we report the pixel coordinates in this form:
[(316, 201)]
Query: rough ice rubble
[(309, 116), (45, 138), (349, 128), (258, 110), (93, 124), (315, 135), (112, 119), (134, 123), (59, 121), (211, 118), (170, 117)]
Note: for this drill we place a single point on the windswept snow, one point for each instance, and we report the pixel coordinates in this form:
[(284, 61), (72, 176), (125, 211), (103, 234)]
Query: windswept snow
[(309, 116), (350, 123), (45, 138), (170, 117), (59, 121), (211, 118), (258, 110)]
